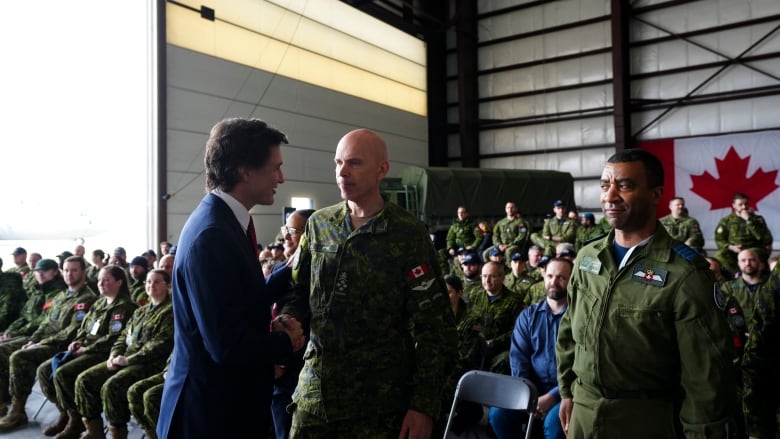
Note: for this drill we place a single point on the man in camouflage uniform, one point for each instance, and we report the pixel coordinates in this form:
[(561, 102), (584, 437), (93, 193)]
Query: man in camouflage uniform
[(644, 340), (511, 233), (50, 283), (751, 280), (61, 321), (761, 396), (557, 229), (534, 258), (12, 297), (382, 331), (681, 226), (472, 284), (492, 313), (739, 230), (20, 262), (517, 280), (139, 351), (462, 233), (139, 266), (587, 231), (30, 284)]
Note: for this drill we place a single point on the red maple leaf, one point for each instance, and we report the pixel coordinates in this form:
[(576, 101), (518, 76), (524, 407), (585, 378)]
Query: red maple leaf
[(733, 178)]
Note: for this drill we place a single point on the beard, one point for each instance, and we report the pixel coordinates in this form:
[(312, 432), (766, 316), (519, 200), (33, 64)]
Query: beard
[(556, 294)]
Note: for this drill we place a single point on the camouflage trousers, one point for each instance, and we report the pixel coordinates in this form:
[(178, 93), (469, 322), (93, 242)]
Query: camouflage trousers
[(101, 390), (365, 426), (7, 348), (23, 364), (144, 397), (59, 388)]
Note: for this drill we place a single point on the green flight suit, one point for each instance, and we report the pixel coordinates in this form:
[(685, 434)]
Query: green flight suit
[(685, 229), (12, 298), (733, 230), (639, 342), (383, 334), (146, 342), (99, 330), (565, 228), (761, 375), (463, 234), (514, 232)]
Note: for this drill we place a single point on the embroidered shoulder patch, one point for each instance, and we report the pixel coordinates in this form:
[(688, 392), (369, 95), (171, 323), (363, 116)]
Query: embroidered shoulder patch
[(649, 275)]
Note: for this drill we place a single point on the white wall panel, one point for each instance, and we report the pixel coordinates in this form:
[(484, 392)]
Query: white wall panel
[(567, 134), (540, 17)]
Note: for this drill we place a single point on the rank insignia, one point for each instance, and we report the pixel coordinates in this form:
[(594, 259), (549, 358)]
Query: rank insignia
[(649, 275), (590, 264)]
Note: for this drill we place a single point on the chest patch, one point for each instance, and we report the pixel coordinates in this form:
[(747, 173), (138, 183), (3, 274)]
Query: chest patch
[(590, 264), (649, 275)]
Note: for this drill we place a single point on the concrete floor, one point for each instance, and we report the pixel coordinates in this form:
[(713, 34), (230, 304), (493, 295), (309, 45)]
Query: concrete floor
[(47, 415)]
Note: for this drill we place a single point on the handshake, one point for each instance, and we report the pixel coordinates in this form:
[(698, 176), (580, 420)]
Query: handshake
[(292, 327)]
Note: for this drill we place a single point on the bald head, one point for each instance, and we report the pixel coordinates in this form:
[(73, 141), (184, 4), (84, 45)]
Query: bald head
[(361, 163)]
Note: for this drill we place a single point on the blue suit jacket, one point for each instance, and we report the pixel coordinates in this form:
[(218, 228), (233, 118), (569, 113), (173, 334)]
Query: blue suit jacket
[(220, 380)]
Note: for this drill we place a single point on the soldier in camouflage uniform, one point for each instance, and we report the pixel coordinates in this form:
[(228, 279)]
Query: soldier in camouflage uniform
[(30, 283), (472, 284), (139, 266), (99, 330), (493, 313), (534, 258), (518, 280), (557, 229), (61, 321), (462, 233), (644, 322), (143, 400), (382, 332), (511, 233), (20, 262), (681, 226), (12, 297), (138, 352), (739, 230), (752, 279), (587, 231), (761, 397)]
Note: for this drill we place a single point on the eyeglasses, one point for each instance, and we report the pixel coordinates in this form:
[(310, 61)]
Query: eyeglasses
[(289, 231)]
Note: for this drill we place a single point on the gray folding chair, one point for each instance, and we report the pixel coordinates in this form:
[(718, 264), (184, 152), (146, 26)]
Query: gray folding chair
[(495, 390)]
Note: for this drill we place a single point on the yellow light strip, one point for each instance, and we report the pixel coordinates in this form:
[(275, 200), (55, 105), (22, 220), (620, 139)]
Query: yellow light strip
[(318, 54)]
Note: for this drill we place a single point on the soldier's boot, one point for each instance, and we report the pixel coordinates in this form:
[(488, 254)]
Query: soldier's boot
[(94, 428), (74, 428), (150, 434), (58, 425), (117, 431), (16, 417)]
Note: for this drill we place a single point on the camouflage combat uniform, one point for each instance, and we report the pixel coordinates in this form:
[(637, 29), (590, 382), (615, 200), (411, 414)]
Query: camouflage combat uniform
[(146, 341), (144, 397), (463, 234), (685, 229), (494, 320), (23, 270), (519, 284), (536, 293), (12, 298), (32, 313), (565, 228), (382, 331), (138, 291), (60, 323), (761, 397), (733, 230), (515, 232), (633, 337), (98, 331)]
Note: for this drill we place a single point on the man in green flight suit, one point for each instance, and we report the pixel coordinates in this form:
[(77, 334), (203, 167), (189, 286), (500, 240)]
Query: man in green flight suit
[(739, 230), (556, 230), (510, 234), (383, 334), (644, 340), (682, 227)]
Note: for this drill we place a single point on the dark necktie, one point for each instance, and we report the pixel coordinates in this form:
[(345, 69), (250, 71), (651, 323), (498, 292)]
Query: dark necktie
[(250, 232)]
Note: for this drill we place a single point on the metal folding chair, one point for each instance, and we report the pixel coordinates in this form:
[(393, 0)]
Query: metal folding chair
[(495, 390)]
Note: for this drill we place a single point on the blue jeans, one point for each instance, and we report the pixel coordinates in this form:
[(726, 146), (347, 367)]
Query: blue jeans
[(508, 424)]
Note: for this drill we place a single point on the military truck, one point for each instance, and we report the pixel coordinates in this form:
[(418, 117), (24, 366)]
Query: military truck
[(433, 194)]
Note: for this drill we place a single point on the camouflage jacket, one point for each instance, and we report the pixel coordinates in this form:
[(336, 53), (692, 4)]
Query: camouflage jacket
[(515, 231), (103, 323), (518, 284), (463, 234), (685, 229), (382, 331), (495, 319), (148, 336), (12, 298), (62, 317), (760, 374), (536, 293), (733, 230), (739, 290), (138, 291), (38, 300)]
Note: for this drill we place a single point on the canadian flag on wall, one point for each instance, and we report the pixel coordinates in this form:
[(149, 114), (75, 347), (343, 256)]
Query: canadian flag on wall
[(708, 171)]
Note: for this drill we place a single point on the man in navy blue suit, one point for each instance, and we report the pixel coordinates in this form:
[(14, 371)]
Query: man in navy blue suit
[(220, 380)]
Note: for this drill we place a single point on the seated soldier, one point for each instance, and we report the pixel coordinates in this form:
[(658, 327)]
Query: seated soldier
[(557, 229)]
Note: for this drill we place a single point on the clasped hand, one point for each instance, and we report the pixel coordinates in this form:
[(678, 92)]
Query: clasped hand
[(292, 327)]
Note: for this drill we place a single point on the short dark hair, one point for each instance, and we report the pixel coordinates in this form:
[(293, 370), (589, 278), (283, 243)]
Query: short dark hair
[(739, 196), (454, 282), (653, 167), (166, 277), (77, 259), (234, 143), (305, 213)]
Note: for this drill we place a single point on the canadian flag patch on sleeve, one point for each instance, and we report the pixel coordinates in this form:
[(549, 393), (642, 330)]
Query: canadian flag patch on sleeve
[(418, 271)]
